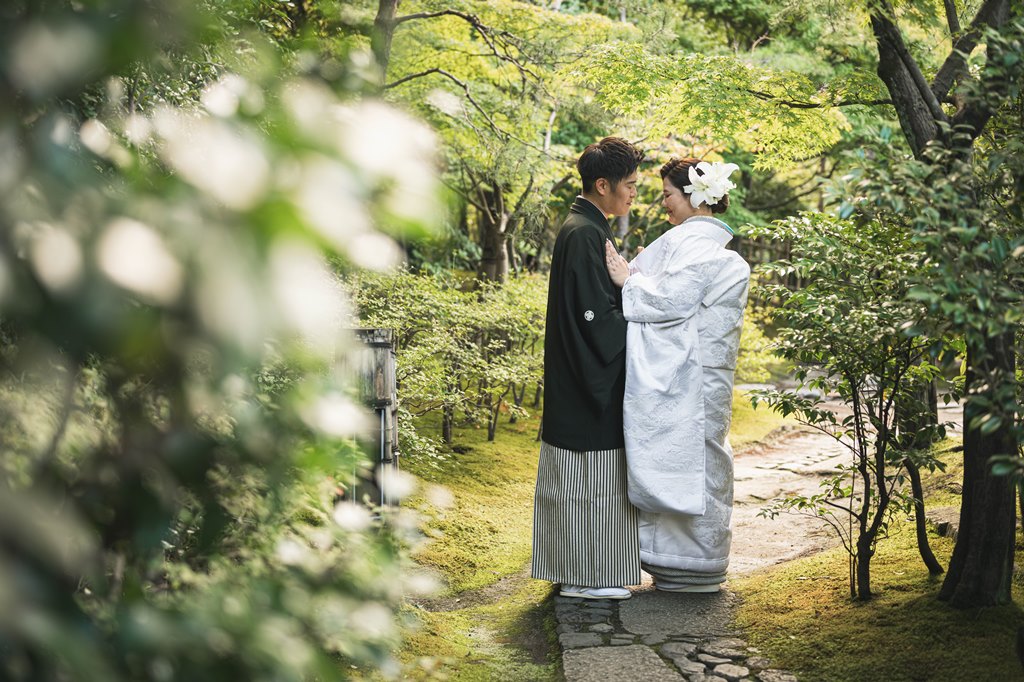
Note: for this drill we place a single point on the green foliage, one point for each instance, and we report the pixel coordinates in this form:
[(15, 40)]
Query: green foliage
[(463, 349), (755, 356), (715, 98), (173, 417), (844, 329)]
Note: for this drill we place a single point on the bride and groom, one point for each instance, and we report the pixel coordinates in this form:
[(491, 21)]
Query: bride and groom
[(635, 467)]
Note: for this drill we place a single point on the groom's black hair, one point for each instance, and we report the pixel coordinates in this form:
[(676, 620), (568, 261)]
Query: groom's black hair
[(613, 159)]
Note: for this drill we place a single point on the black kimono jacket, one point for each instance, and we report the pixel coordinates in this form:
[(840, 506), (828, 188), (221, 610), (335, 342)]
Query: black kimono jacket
[(585, 339)]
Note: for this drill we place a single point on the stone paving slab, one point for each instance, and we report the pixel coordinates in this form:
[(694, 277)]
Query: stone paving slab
[(652, 611), (612, 664)]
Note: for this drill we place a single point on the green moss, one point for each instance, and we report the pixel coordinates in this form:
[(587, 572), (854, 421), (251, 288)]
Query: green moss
[(508, 640), (750, 425), (486, 534), (801, 616), (483, 537)]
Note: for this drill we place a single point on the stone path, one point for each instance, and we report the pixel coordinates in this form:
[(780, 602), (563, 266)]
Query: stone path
[(657, 636)]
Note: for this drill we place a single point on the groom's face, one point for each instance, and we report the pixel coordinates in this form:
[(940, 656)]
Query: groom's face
[(619, 198)]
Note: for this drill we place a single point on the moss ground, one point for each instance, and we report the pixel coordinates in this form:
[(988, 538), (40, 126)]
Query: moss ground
[(801, 616), (750, 425), (495, 630)]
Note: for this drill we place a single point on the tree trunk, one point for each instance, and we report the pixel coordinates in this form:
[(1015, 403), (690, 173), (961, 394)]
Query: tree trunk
[(982, 563), (512, 256), (920, 521), (493, 226), (517, 400), (621, 225), (1020, 500), (383, 31), (447, 417), (864, 553), (917, 120)]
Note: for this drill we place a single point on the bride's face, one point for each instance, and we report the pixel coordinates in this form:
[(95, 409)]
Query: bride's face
[(676, 204)]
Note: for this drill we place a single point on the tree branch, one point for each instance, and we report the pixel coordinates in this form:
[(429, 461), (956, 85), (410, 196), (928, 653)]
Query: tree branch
[(793, 197), (465, 87), (993, 13), (485, 32), (952, 19), (817, 105)]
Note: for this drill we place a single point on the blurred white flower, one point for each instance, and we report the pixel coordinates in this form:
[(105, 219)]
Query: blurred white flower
[(61, 132), (374, 251), (226, 162), (44, 56), (57, 259), (229, 296), (98, 139), (373, 620), (137, 129), (382, 140), (439, 496), (391, 146), (135, 257), (308, 296), (352, 517), (291, 552), (95, 137), (223, 97), (283, 636), (396, 483), (322, 539), (310, 105), (421, 583), (326, 197), (335, 415), (235, 386)]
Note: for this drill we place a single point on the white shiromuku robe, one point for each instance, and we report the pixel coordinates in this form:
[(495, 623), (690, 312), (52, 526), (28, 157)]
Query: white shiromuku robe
[(684, 300)]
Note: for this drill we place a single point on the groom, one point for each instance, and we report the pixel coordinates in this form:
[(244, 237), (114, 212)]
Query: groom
[(584, 528)]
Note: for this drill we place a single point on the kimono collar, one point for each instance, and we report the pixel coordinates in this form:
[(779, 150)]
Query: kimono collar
[(712, 228), (589, 208)]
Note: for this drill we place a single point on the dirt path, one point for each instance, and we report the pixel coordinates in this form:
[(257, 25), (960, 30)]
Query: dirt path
[(794, 463)]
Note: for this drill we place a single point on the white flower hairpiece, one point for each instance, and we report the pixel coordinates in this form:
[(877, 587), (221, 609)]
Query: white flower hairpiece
[(713, 185)]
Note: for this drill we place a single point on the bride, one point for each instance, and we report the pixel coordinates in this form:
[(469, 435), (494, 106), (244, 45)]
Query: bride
[(684, 297)]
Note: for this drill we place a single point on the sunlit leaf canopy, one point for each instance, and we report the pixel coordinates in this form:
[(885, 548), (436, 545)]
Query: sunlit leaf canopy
[(715, 99)]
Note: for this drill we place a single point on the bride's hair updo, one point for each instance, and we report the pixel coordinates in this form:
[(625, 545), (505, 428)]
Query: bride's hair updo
[(677, 171)]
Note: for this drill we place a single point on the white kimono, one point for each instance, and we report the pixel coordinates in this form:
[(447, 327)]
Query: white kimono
[(684, 301)]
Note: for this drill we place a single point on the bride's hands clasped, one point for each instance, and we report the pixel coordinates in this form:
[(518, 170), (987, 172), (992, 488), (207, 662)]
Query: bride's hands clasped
[(618, 268)]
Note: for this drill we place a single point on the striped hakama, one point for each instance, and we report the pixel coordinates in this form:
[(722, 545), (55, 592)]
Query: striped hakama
[(584, 528)]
